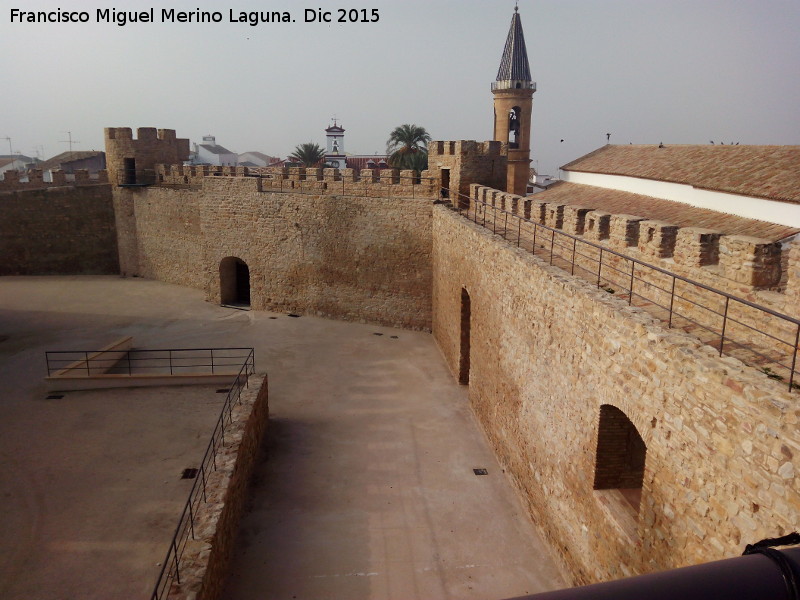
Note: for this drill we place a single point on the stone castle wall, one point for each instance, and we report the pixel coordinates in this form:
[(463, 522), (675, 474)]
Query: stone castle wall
[(57, 230), (350, 257), (548, 350), (34, 179)]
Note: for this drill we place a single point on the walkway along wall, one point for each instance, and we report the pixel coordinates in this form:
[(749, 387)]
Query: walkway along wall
[(550, 354), (349, 257)]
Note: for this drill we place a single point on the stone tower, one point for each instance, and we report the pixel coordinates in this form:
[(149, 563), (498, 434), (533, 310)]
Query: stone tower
[(513, 99)]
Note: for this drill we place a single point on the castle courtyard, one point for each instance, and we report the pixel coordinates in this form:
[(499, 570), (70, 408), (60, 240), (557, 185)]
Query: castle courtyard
[(366, 488)]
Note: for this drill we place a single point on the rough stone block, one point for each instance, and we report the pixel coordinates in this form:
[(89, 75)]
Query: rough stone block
[(657, 239), (538, 211), (554, 215), (752, 261), (697, 247), (575, 219), (624, 231), (597, 225)]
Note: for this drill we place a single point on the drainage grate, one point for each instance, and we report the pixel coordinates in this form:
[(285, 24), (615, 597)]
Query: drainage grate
[(223, 391), (376, 333), (480, 471), (55, 397), (189, 474), (293, 315), (273, 317), (394, 337)]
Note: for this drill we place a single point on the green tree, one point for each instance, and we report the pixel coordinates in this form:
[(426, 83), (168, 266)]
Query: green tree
[(407, 147), (310, 154)]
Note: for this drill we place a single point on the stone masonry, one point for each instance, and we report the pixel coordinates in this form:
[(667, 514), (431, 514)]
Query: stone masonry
[(548, 351)]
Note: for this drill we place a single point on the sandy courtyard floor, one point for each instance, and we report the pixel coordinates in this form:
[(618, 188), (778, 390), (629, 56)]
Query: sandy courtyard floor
[(366, 489)]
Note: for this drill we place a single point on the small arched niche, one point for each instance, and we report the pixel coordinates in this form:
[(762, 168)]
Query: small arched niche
[(234, 282), (619, 467)]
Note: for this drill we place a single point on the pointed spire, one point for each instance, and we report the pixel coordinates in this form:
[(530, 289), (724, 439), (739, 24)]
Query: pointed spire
[(514, 64)]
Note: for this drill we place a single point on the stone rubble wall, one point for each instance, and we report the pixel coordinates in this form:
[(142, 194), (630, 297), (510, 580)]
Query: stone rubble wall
[(372, 183), (205, 564), (469, 162), (348, 257), (737, 264), (547, 350), (726, 263), (58, 230)]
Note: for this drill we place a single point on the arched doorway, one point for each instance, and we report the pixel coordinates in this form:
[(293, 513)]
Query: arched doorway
[(621, 456), (463, 359), (234, 282)]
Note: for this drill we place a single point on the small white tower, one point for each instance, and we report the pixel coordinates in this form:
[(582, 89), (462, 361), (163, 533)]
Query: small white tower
[(334, 152)]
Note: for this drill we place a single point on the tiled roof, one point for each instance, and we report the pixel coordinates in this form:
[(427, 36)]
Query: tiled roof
[(266, 158), (771, 172), (360, 162), (66, 157), (214, 149), (514, 63), (676, 213)]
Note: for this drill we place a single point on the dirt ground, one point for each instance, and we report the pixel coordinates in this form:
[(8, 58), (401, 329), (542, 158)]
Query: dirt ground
[(366, 489)]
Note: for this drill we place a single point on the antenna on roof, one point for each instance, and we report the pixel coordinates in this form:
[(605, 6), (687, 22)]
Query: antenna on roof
[(70, 141), (10, 151)]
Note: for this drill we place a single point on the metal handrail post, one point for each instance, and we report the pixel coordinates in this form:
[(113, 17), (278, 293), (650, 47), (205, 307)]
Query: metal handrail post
[(191, 518), (574, 244), (175, 554), (599, 267), (533, 248), (552, 245), (505, 226), (519, 230), (128, 356), (86, 358), (212, 361), (671, 302), (170, 362), (630, 296), (203, 478), (794, 358), (724, 323)]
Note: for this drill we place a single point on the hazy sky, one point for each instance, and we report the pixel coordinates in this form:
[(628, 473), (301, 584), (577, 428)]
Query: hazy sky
[(647, 71)]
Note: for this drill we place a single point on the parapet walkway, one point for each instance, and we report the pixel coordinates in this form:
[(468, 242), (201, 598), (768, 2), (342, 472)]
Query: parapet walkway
[(367, 489)]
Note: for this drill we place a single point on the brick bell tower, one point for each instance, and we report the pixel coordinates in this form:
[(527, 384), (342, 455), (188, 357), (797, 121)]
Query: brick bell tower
[(513, 100)]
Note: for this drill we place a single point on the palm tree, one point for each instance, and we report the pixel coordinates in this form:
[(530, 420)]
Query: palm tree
[(310, 154), (407, 147)]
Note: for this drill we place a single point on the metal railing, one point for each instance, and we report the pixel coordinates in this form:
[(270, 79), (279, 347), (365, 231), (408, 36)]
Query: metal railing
[(173, 361), (755, 334), (170, 567)]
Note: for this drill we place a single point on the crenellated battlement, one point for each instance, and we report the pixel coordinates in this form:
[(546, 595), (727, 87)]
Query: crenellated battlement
[(130, 160), (34, 179), (708, 256), (467, 148), (391, 183)]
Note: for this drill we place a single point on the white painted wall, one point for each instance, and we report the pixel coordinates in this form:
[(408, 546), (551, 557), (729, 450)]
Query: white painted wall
[(783, 213)]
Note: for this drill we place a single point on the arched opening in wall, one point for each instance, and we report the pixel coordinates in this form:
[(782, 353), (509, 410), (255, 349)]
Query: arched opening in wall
[(463, 358), (514, 126), (619, 468), (234, 282)]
